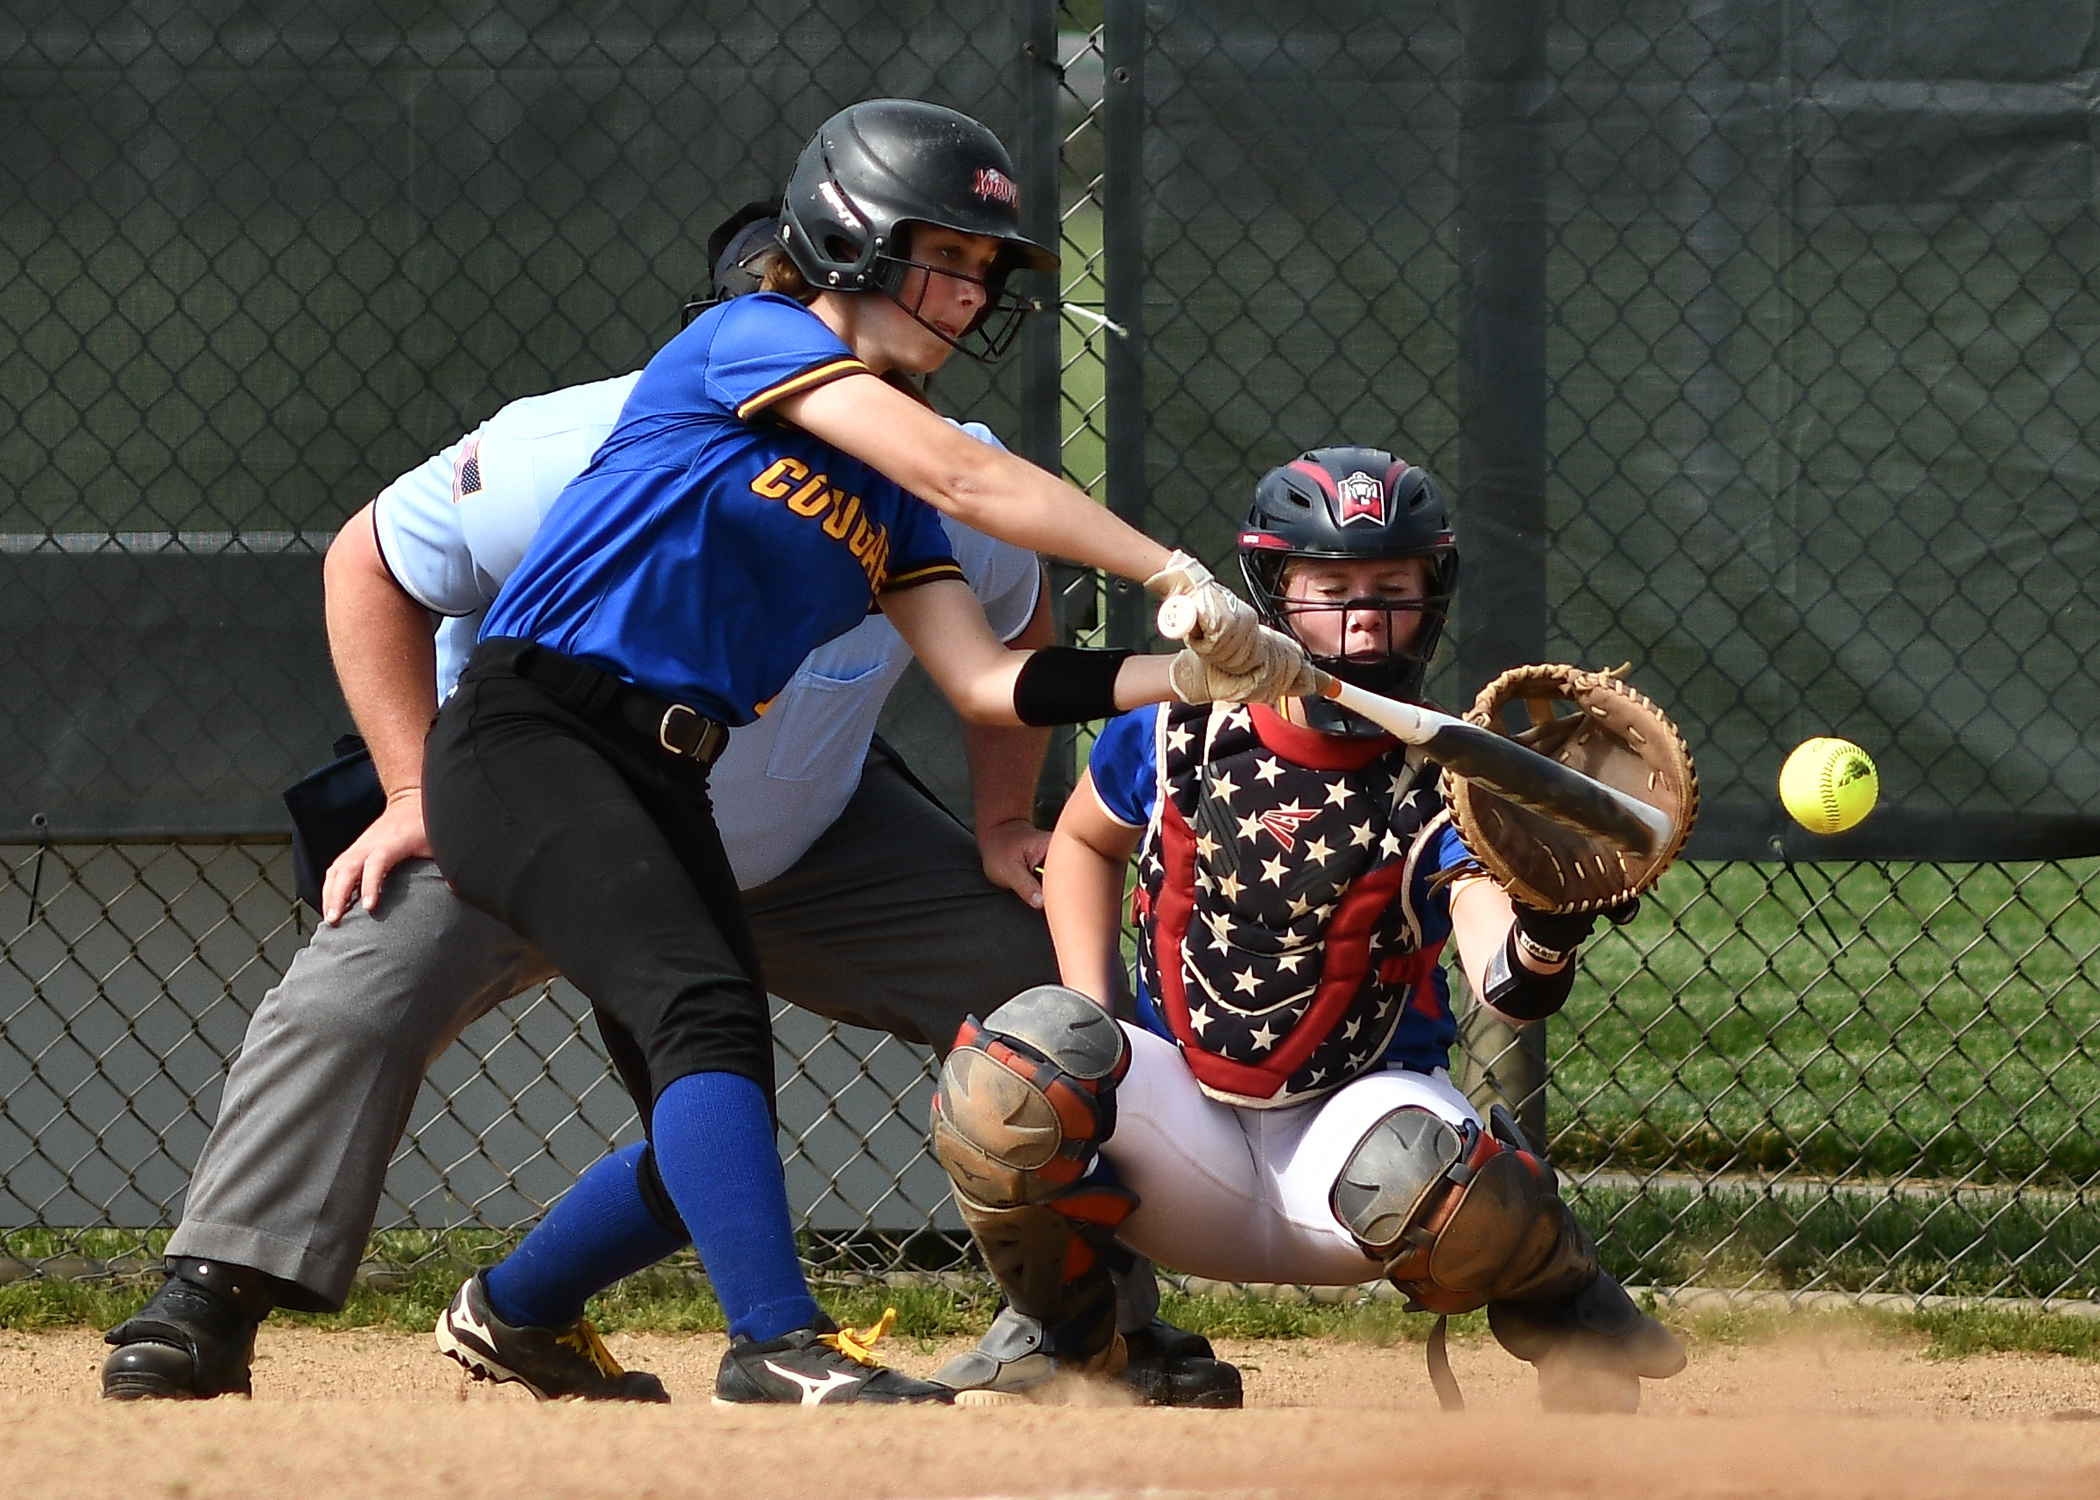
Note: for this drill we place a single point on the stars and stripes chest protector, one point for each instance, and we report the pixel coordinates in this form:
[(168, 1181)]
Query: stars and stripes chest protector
[(1282, 948)]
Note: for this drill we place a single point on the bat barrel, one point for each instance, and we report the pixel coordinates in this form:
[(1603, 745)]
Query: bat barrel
[(1521, 775)]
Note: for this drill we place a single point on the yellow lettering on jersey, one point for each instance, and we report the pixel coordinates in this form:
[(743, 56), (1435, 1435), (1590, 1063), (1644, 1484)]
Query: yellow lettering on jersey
[(812, 495), (780, 476), (840, 521), (811, 499), (864, 537)]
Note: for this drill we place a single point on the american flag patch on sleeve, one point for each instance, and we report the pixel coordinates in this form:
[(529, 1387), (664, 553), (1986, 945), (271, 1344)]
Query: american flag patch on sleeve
[(466, 478)]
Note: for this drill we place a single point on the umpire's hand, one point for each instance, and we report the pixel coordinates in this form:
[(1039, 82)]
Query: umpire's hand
[(1013, 851), (395, 835)]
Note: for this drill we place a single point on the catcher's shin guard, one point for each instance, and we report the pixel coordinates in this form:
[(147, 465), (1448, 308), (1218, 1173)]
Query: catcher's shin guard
[(1592, 1349), (1458, 1217), (1024, 1101)]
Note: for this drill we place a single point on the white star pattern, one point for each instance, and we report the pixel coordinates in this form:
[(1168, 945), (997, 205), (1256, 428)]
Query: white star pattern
[(1389, 845), (1219, 943), (1225, 787), (1299, 906), (1318, 850), (1250, 826), (1338, 793), (1289, 962), (1229, 886), (1361, 834), (1236, 718), (1268, 771), (1264, 1038), (1313, 1081), (1206, 846), (1245, 982), (1272, 870), (1199, 1018), (1177, 738), (1356, 1024), (1357, 1060)]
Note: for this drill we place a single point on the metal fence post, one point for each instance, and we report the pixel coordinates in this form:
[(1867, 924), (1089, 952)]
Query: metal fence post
[(1037, 436), (1502, 409), (1123, 254)]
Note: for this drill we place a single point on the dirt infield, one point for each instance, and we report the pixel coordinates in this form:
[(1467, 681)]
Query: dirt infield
[(1820, 1415)]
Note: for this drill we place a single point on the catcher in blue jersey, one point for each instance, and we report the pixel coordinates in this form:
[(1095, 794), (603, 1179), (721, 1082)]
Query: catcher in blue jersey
[(1281, 1111), (772, 478)]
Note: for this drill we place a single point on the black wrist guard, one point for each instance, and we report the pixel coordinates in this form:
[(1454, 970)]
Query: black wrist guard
[(1064, 685), (1523, 994), (1554, 935)]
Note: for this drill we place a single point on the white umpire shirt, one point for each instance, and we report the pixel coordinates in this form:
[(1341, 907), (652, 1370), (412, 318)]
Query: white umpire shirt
[(452, 529)]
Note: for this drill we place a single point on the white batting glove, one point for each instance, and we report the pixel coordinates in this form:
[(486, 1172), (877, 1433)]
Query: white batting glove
[(1225, 624), (1280, 671)]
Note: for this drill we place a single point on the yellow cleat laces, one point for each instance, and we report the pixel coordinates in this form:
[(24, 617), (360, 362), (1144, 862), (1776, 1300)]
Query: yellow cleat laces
[(583, 1338), (859, 1344)]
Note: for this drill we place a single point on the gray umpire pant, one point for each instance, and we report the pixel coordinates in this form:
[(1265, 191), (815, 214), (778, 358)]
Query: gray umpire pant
[(887, 922)]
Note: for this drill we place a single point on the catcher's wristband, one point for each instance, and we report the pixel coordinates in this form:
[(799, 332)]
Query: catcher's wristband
[(1520, 993), (1537, 951)]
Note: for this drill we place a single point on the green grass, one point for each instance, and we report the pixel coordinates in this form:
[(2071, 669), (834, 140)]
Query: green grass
[(1886, 1020)]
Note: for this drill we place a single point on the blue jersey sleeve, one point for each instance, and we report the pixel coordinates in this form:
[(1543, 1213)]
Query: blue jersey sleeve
[(765, 348), (1123, 766)]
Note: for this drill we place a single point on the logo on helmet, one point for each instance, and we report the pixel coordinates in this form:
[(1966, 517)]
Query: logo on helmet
[(836, 200), (994, 186), (1360, 498)]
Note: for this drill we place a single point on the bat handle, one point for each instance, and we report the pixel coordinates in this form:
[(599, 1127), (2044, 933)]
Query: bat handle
[(1178, 616)]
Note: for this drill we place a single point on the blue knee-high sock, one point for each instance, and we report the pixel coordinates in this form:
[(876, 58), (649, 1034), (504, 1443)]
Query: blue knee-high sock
[(715, 1149), (599, 1232)]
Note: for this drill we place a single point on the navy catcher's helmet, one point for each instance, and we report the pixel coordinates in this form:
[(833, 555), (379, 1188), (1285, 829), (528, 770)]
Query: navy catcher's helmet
[(1353, 503), (886, 163), (733, 256)]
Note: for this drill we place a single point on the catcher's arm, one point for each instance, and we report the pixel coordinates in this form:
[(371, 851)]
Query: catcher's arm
[(1083, 891)]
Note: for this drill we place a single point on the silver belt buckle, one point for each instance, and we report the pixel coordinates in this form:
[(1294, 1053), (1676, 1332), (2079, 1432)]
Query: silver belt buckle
[(663, 732)]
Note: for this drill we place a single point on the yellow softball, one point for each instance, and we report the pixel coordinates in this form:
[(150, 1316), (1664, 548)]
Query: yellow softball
[(1828, 785)]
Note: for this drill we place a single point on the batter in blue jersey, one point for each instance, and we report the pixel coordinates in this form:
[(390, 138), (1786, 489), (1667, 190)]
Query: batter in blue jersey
[(766, 484), (709, 547)]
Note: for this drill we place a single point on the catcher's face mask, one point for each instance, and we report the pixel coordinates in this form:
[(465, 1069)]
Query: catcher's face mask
[(1359, 611)]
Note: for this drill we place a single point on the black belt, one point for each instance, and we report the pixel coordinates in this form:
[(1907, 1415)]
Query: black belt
[(676, 728)]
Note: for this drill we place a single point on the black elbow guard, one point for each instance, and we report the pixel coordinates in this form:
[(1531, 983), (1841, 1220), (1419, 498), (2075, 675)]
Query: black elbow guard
[(1521, 993), (1064, 685)]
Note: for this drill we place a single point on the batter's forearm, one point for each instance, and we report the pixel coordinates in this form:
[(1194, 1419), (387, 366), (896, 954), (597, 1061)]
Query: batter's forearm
[(384, 652)]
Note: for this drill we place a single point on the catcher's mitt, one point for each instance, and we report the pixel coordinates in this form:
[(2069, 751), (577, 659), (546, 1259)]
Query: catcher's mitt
[(1612, 733)]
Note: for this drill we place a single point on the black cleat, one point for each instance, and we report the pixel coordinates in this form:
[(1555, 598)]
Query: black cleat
[(1016, 1361), (822, 1365), (1170, 1366), (552, 1363), (194, 1340)]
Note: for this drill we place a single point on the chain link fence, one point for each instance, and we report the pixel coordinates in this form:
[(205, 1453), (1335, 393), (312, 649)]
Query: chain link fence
[(1753, 345)]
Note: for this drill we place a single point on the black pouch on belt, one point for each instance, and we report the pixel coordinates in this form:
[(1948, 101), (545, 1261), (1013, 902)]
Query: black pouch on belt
[(330, 807)]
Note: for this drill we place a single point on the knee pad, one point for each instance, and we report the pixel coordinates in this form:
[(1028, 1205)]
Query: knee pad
[(1027, 1095), (1458, 1217), (1024, 1101)]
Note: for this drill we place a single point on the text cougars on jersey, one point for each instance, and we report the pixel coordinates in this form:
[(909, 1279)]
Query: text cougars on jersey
[(843, 516)]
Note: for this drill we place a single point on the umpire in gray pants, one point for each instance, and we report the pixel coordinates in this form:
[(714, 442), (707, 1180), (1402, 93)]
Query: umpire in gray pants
[(871, 905)]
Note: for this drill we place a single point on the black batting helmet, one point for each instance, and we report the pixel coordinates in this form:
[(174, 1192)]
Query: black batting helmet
[(1353, 503), (886, 163)]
